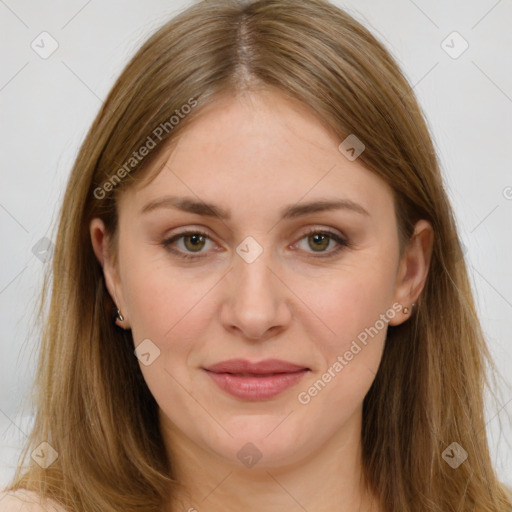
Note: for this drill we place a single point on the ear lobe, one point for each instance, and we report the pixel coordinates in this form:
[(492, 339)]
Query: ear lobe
[(413, 269)]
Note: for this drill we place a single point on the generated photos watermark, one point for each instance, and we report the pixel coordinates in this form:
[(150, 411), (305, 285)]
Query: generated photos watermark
[(151, 142), (305, 397)]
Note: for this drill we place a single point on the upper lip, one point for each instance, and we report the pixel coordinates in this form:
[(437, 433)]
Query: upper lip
[(264, 367)]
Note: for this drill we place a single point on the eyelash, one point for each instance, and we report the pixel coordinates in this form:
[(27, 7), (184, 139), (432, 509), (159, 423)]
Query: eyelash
[(342, 243)]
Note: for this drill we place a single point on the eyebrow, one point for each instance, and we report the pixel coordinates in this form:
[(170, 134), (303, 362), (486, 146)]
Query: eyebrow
[(191, 205)]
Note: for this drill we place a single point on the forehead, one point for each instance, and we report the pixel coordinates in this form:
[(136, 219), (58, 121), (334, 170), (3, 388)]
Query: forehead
[(259, 151)]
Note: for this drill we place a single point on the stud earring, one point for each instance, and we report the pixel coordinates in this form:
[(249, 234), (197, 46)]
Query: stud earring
[(407, 310)]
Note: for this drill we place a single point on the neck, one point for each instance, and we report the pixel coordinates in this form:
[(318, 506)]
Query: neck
[(329, 480)]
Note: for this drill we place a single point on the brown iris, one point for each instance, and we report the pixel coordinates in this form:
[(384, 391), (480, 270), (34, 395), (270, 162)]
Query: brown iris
[(319, 237), (197, 242)]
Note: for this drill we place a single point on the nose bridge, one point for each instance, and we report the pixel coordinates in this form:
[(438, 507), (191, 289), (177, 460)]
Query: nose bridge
[(256, 303), (252, 275)]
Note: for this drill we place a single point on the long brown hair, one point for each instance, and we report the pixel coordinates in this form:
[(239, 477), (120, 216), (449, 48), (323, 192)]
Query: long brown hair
[(92, 404)]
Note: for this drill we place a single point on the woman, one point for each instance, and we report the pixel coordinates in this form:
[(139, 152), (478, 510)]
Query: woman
[(260, 204)]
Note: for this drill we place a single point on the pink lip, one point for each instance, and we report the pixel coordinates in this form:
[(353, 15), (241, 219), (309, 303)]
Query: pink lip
[(255, 381)]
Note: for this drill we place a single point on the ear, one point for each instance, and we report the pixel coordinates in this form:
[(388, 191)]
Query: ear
[(100, 243), (413, 269)]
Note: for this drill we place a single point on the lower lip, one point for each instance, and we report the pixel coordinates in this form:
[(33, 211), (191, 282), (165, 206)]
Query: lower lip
[(256, 388)]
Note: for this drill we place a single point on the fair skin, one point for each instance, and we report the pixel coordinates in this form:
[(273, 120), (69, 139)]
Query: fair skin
[(253, 155)]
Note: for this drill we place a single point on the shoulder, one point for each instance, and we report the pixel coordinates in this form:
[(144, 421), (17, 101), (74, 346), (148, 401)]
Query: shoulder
[(22, 500)]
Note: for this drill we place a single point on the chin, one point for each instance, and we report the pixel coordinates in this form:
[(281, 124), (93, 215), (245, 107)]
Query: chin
[(261, 443)]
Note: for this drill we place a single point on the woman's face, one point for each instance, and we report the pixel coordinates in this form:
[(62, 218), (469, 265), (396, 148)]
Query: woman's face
[(259, 280)]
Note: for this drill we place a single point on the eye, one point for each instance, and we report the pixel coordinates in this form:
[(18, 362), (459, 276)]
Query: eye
[(193, 242), (319, 240)]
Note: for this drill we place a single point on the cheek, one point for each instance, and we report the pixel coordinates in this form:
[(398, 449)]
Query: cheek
[(158, 296), (174, 313), (346, 302), (163, 307), (357, 312), (174, 310), (354, 309)]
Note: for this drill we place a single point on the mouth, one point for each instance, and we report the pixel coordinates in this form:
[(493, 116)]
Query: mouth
[(255, 381)]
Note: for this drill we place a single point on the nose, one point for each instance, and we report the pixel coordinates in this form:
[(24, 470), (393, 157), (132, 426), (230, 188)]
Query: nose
[(257, 304)]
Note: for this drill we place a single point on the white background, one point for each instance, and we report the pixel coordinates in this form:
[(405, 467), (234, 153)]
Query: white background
[(48, 104)]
